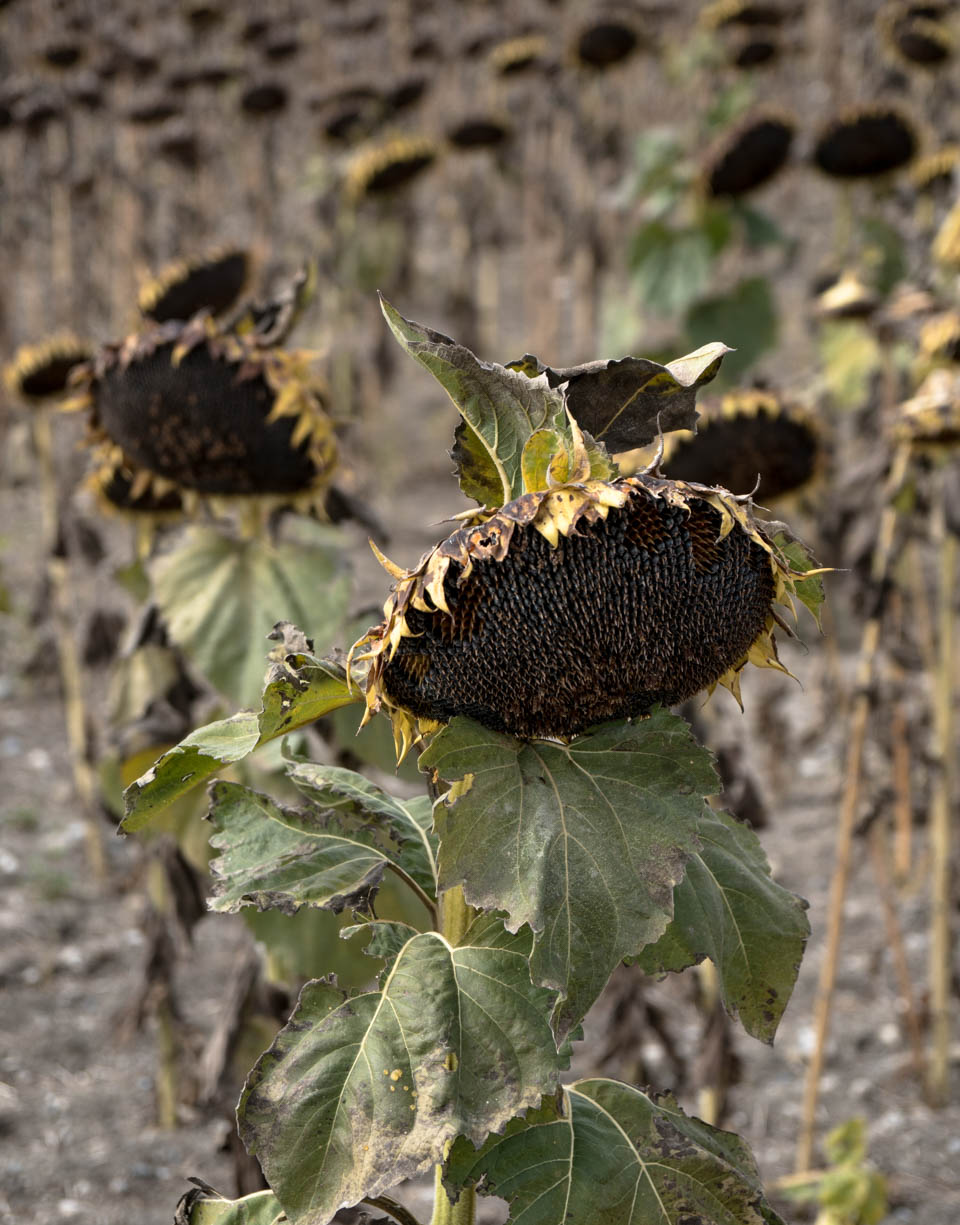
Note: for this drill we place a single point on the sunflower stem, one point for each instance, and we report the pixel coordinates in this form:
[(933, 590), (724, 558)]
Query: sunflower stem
[(455, 918), (860, 714), (938, 1068)]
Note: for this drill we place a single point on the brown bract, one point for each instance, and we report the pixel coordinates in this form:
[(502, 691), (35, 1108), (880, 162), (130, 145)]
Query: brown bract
[(577, 605)]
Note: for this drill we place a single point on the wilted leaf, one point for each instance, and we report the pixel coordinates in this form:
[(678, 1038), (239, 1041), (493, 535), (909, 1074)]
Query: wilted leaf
[(300, 688), (747, 316), (457, 1043), (729, 909), (204, 1207), (584, 842), (220, 596), (403, 829), (617, 1154), (618, 400), (500, 407), (280, 858)]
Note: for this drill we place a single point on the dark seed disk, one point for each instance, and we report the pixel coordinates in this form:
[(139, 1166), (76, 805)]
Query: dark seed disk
[(647, 606), (214, 284), (200, 425), (866, 145), (734, 452), (756, 153)]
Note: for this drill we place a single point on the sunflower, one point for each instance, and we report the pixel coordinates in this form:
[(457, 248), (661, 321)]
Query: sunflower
[(749, 435), (390, 165), (213, 282), (605, 42), (931, 418), (846, 297), (749, 155), (576, 605), (42, 371), (915, 35), (210, 412), (866, 143)]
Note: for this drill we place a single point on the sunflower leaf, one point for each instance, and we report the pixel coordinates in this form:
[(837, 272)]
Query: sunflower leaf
[(614, 1153), (501, 408), (381, 1081), (300, 688), (584, 842), (203, 1206), (729, 909)]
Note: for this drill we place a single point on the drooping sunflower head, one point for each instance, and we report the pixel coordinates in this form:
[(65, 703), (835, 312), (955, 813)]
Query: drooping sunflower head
[(605, 42), (212, 412), (866, 143), (930, 419), (41, 372), (752, 153), (845, 297), (916, 35), (749, 436), (388, 166), (479, 132), (213, 282), (578, 605)]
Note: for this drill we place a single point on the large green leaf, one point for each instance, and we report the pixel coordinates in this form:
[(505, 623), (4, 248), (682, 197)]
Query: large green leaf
[(747, 316), (219, 597), (584, 842), (671, 267), (729, 909), (500, 407), (357, 1094), (402, 829), (616, 1154), (624, 402), (299, 689), (278, 858), (203, 1206)]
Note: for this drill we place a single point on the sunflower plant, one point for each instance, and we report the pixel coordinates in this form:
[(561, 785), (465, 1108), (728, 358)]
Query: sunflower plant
[(529, 660)]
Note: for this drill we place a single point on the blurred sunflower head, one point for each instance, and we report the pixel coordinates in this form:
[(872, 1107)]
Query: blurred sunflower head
[(742, 12), (605, 42), (210, 412), (936, 171), (915, 35), (846, 297), (749, 155), (516, 55), (388, 166), (41, 372), (866, 143), (577, 605), (479, 132), (930, 419), (749, 435), (213, 282)]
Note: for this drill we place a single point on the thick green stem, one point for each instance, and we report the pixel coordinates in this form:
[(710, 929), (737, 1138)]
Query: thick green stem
[(455, 917)]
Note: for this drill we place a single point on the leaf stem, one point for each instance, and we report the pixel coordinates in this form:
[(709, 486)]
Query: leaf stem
[(421, 893), (397, 1211)]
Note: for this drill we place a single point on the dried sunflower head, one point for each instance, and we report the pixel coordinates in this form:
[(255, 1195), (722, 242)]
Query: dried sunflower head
[(752, 153), (577, 605), (478, 132), (935, 171), (388, 166), (866, 143), (518, 54), (846, 297), (211, 282), (212, 412), (605, 42), (915, 35), (42, 371), (931, 418), (742, 12), (748, 435)]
